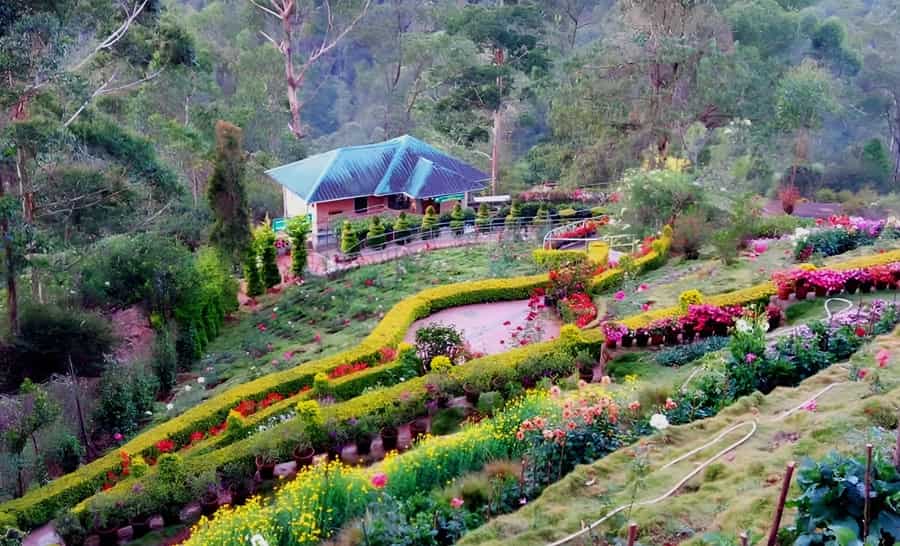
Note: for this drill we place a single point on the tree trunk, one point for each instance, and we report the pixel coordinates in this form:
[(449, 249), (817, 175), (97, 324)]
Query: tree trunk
[(293, 81), (894, 128), (12, 300), (499, 60)]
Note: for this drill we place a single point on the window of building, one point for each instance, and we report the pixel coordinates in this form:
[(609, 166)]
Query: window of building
[(361, 204)]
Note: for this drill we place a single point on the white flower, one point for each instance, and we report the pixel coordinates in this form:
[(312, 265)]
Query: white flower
[(201, 380), (659, 421), (743, 326), (148, 413), (258, 540), (187, 388), (106, 283), (274, 309), (170, 406)]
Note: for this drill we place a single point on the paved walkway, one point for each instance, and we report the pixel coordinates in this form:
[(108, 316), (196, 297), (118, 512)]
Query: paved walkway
[(489, 328)]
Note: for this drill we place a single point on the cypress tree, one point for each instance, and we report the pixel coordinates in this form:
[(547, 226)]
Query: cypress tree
[(227, 195), (298, 230), (252, 274), (375, 235), (264, 241), (514, 216), (401, 229)]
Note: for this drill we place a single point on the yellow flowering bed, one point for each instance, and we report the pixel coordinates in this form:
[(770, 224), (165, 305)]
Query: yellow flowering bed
[(324, 497)]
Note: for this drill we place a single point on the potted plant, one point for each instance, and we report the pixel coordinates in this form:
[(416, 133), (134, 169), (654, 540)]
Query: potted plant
[(585, 364), (472, 393), (140, 508), (784, 284), (801, 288), (104, 512), (641, 337), (865, 281), (389, 436), (688, 331), (657, 331), (851, 284), (671, 332), (773, 313), (265, 464), (304, 454), (418, 427), (363, 434), (614, 334)]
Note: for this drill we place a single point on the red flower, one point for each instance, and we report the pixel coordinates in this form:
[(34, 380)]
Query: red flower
[(860, 331), (165, 446), (369, 282), (387, 354), (261, 327), (270, 399), (107, 486), (196, 436), (246, 408)]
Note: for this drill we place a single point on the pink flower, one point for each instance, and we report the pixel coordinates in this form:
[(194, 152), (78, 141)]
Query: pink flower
[(749, 358), (810, 406), (643, 287), (645, 307), (760, 247), (605, 380), (506, 323), (671, 404), (882, 358), (457, 502), (634, 406), (620, 295), (317, 338), (118, 437), (554, 391), (379, 480), (863, 372), (582, 383)]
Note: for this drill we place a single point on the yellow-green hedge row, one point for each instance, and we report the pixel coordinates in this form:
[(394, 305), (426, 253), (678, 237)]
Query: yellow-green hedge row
[(554, 259)]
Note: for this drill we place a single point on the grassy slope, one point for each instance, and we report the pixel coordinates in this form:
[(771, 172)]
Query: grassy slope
[(737, 494)]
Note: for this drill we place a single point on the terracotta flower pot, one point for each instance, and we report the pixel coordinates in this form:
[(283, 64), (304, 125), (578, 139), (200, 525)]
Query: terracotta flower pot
[(586, 374), (656, 339), (109, 536), (472, 394), (417, 428), (266, 469), (209, 503), (389, 437), (303, 456), (363, 445), (140, 526), (784, 293)]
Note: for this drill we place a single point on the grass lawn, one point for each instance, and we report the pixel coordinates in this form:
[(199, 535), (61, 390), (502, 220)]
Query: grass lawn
[(323, 316)]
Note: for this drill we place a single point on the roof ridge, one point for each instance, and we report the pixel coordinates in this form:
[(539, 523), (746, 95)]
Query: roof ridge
[(325, 169), (398, 155)]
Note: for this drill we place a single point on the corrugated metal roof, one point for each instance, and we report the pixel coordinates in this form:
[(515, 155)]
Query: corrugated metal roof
[(400, 165)]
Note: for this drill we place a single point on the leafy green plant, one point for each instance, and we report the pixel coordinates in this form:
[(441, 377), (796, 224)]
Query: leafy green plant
[(375, 237), (298, 229), (457, 220), (349, 243), (401, 229), (483, 218), (830, 509), (429, 223), (434, 340), (685, 354)]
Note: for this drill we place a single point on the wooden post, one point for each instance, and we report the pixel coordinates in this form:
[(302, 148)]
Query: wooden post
[(897, 451), (867, 492), (779, 508), (632, 533)]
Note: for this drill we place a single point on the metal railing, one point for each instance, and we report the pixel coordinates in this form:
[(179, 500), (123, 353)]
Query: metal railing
[(621, 242)]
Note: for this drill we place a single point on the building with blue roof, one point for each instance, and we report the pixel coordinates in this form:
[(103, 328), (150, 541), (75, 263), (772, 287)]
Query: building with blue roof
[(400, 174)]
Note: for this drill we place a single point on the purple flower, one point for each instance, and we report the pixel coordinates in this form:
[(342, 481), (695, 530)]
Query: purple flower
[(749, 358)]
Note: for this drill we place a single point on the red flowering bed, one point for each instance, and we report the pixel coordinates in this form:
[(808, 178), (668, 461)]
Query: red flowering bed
[(585, 230), (581, 307)]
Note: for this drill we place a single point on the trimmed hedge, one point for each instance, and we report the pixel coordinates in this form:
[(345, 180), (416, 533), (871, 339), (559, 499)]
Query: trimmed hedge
[(555, 259), (39, 506)]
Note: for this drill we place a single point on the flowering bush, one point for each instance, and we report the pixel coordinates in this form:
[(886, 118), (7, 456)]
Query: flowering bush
[(581, 307), (688, 298), (706, 316), (614, 331)]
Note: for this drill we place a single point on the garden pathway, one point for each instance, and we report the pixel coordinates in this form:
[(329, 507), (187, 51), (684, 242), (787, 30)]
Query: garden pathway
[(43, 536), (489, 327)]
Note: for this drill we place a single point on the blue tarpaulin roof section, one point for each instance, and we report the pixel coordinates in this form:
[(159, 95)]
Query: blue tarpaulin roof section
[(401, 165)]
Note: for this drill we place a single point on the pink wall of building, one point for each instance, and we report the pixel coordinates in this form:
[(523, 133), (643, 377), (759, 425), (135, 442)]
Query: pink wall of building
[(330, 211)]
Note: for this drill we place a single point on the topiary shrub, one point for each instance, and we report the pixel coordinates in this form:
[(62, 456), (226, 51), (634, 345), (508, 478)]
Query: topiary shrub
[(375, 236), (437, 339), (457, 220), (429, 223), (440, 364), (349, 244), (401, 229), (483, 218), (514, 218), (688, 298)]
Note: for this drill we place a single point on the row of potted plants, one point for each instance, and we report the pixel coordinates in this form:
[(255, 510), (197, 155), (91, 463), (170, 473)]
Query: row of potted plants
[(803, 280), (701, 320)]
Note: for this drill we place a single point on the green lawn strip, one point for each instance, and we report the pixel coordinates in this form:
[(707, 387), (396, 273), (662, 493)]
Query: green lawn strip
[(737, 492)]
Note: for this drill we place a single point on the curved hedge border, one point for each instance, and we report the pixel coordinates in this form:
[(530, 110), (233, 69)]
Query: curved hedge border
[(39, 506)]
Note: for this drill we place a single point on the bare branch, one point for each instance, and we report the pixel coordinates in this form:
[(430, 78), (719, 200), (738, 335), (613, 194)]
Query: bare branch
[(265, 9), (325, 48), (272, 40), (104, 89), (132, 84), (116, 34)]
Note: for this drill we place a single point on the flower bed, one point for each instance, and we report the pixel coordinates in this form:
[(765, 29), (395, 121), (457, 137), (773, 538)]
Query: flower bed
[(838, 234), (802, 280)]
